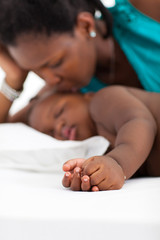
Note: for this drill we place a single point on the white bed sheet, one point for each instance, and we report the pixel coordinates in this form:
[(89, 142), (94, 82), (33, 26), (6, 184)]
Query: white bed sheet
[(35, 206), (23, 147)]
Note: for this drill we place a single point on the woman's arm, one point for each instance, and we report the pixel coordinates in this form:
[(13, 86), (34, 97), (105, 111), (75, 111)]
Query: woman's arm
[(23, 114), (15, 78), (150, 8)]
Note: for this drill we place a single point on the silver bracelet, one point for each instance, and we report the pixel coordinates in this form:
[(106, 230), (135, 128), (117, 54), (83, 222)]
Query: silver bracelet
[(10, 93)]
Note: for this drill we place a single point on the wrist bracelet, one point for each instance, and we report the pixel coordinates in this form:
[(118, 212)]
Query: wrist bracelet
[(10, 93)]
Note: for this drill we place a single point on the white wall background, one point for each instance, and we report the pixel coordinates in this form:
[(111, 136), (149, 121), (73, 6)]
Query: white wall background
[(108, 3)]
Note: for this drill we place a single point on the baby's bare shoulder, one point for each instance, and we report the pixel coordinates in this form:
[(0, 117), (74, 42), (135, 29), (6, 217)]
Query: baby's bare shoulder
[(120, 104), (106, 101), (107, 96)]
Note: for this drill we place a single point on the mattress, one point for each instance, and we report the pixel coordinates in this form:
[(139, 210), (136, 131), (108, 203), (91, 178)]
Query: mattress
[(34, 205)]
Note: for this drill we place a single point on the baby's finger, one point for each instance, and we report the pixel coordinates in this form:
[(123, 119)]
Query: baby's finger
[(90, 168), (95, 189), (73, 163), (105, 185), (76, 180), (66, 181), (97, 177), (85, 185)]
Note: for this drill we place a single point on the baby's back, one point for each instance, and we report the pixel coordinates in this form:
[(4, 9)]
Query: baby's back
[(152, 102)]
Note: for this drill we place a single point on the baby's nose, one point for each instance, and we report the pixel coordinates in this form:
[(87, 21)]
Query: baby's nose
[(58, 125)]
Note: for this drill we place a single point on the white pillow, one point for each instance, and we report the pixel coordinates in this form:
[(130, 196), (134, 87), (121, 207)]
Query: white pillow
[(22, 147)]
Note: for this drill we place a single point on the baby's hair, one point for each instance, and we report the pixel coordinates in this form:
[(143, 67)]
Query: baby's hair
[(48, 16)]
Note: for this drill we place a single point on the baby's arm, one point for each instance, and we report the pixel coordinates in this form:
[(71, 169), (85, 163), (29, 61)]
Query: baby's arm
[(130, 123), (134, 128)]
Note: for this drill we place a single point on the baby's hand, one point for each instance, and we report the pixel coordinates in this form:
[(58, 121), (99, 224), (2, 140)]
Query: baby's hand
[(72, 178), (104, 173), (72, 164)]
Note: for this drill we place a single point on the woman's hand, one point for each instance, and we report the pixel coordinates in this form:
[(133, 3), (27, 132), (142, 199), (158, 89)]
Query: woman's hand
[(15, 76)]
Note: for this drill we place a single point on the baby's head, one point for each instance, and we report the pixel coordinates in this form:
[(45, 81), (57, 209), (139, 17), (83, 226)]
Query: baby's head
[(64, 116)]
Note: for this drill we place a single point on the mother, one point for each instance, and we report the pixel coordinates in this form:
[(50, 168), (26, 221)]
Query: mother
[(68, 42)]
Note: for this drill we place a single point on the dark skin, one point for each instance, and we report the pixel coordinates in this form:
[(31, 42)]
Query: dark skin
[(59, 59), (63, 67), (149, 8), (134, 135), (129, 118)]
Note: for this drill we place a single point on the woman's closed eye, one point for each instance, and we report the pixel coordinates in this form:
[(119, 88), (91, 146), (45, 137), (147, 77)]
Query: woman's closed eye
[(56, 64)]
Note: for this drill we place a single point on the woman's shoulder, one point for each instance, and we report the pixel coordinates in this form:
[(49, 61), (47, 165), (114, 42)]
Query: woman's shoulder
[(150, 8), (142, 8)]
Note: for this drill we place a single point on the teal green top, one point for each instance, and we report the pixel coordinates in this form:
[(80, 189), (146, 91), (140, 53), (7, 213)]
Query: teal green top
[(139, 37)]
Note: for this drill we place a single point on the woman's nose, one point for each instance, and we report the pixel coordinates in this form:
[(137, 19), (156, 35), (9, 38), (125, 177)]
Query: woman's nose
[(52, 80), (49, 76)]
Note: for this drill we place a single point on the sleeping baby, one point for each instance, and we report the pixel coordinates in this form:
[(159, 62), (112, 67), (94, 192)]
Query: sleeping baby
[(129, 118)]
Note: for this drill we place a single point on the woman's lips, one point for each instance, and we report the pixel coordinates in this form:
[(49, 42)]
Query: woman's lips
[(61, 87), (69, 133), (74, 89)]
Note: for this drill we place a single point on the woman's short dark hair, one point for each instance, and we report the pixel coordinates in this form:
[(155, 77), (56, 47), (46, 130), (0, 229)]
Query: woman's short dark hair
[(49, 16)]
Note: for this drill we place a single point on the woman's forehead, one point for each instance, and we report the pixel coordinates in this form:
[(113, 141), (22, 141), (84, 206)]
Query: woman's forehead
[(34, 51)]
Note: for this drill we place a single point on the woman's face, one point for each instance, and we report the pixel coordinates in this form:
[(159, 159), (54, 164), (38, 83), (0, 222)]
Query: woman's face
[(66, 60), (63, 116)]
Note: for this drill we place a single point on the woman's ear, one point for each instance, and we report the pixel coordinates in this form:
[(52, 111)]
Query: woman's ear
[(86, 23)]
